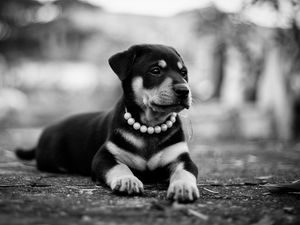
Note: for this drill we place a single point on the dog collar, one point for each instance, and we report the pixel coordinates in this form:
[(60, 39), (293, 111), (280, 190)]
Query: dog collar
[(150, 130)]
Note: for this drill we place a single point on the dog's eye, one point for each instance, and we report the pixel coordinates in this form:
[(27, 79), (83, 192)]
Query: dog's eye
[(183, 73), (155, 71)]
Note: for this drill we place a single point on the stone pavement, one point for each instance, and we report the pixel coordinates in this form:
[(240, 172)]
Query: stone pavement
[(231, 179)]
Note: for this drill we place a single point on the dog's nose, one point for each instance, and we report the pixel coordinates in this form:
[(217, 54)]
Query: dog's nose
[(181, 90)]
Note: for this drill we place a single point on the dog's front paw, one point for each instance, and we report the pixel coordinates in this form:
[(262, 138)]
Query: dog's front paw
[(183, 191), (127, 185)]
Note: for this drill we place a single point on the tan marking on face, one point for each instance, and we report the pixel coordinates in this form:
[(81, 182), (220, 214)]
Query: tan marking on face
[(162, 63), (155, 94), (138, 142), (167, 155), (161, 95), (137, 87), (144, 96), (179, 64)]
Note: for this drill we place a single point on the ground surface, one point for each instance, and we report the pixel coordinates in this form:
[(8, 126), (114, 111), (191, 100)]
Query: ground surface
[(231, 179)]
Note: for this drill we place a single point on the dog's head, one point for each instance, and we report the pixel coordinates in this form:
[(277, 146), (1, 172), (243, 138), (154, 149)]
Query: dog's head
[(155, 78)]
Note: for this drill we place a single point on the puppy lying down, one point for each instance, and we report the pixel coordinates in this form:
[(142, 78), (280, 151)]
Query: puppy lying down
[(140, 139)]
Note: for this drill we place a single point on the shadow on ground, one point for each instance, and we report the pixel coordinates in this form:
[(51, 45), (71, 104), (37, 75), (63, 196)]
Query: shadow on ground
[(231, 179)]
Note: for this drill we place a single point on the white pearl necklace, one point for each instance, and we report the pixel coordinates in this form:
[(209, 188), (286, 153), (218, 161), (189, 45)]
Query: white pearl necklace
[(150, 130)]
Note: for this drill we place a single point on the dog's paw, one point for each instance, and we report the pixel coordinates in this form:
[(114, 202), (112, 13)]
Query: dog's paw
[(183, 191), (130, 185)]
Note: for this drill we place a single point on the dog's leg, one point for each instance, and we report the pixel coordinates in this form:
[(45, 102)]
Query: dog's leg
[(183, 180), (121, 179), (115, 174)]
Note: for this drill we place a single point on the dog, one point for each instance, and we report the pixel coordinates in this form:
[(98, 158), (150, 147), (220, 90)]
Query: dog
[(140, 139)]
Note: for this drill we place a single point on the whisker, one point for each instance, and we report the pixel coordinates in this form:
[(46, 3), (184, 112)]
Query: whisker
[(196, 100)]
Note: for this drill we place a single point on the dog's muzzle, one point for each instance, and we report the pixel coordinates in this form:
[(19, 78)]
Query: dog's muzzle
[(182, 93)]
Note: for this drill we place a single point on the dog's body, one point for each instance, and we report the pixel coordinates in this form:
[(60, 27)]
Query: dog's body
[(119, 152)]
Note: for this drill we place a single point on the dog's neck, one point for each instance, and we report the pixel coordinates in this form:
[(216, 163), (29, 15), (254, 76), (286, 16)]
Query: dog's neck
[(151, 118), (146, 115)]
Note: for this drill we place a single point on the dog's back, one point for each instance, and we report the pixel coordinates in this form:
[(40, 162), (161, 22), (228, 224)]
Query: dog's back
[(69, 146)]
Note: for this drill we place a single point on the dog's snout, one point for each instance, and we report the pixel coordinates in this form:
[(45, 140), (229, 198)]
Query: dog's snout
[(181, 90)]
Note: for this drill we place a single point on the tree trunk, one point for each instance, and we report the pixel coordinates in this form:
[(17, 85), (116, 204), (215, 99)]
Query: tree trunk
[(273, 95)]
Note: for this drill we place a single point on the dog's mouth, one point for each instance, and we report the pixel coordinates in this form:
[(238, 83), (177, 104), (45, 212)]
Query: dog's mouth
[(175, 107)]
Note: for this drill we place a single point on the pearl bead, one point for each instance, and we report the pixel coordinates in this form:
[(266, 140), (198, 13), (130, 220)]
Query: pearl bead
[(136, 126), (127, 116), (169, 123), (150, 130), (143, 129), (173, 119), (157, 129), (164, 127), (130, 121)]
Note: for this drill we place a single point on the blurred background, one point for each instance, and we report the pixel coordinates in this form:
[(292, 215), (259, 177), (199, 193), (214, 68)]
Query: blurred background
[(243, 60)]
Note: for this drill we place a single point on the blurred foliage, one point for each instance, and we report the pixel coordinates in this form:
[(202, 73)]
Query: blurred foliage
[(289, 41), (53, 59), (289, 38), (30, 28)]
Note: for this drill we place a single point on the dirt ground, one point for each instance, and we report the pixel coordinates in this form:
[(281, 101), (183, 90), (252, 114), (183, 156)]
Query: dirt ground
[(232, 175)]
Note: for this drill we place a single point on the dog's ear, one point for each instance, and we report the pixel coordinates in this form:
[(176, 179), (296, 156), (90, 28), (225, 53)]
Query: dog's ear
[(122, 62)]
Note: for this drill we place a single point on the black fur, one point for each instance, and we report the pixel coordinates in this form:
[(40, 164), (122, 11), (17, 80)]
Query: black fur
[(77, 144)]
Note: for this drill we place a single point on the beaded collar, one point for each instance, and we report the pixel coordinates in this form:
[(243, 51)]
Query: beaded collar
[(150, 130)]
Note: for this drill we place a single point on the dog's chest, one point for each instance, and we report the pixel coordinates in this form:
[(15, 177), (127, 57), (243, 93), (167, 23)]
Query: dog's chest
[(143, 153), (136, 143)]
